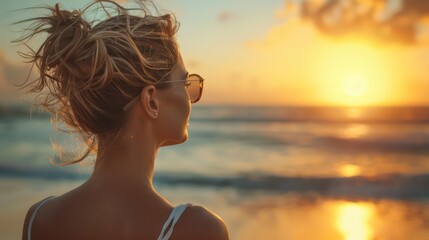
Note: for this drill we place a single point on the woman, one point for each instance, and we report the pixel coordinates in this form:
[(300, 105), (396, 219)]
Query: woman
[(122, 84)]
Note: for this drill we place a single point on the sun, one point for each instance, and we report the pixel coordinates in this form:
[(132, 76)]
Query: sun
[(350, 170), (355, 84), (352, 74)]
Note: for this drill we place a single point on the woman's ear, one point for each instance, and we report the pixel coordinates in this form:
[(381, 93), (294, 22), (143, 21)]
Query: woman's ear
[(149, 100)]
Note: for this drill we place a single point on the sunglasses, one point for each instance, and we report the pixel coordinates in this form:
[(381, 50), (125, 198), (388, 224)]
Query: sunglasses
[(194, 86)]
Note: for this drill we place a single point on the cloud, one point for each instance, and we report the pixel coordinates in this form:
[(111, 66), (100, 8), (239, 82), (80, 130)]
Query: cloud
[(10, 75), (394, 21), (226, 16)]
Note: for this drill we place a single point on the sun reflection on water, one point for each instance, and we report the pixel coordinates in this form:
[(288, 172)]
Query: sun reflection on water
[(353, 221), (354, 131)]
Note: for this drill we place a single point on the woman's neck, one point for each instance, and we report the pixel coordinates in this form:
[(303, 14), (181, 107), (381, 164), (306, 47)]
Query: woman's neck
[(126, 163)]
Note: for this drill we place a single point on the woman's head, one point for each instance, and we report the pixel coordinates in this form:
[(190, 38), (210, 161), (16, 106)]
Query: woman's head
[(92, 70)]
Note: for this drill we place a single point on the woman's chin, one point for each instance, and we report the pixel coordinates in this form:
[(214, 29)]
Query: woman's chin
[(180, 140)]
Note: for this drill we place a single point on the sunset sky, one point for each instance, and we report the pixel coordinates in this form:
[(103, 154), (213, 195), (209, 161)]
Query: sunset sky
[(278, 52)]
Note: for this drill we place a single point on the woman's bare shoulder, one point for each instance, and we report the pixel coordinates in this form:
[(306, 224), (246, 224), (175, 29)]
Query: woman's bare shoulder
[(30, 212), (198, 222)]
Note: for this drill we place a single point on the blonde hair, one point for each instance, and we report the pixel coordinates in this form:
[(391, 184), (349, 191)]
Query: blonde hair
[(90, 70)]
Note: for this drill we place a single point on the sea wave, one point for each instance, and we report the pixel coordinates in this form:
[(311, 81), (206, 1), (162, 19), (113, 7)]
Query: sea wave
[(413, 140), (396, 115), (390, 186), (382, 144), (301, 114)]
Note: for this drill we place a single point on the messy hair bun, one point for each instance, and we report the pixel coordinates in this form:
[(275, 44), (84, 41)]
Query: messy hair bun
[(90, 70)]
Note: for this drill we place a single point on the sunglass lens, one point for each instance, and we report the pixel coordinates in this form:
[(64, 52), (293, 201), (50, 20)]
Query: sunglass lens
[(194, 87)]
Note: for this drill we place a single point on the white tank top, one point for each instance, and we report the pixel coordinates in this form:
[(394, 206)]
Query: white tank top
[(172, 219)]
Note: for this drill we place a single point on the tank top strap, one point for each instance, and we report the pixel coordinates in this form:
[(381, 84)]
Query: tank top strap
[(173, 218), (33, 216)]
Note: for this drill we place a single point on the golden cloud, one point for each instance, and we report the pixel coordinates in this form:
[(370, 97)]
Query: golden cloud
[(386, 21)]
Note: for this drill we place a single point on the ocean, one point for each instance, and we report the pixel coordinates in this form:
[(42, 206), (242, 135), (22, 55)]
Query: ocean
[(271, 172)]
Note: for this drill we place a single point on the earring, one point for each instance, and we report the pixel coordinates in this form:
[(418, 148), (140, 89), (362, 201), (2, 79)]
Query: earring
[(155, 114)]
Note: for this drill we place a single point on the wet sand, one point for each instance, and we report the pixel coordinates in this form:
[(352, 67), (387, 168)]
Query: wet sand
[(254, 214)]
